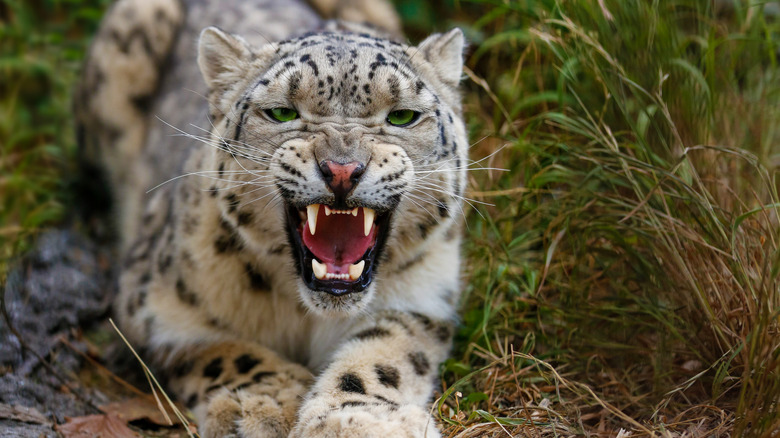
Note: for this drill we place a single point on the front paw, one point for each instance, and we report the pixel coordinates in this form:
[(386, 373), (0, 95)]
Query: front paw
[(360, 419), (253, 412), (244, 415)]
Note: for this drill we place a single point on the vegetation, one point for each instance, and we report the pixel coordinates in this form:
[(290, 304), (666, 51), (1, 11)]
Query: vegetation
[(42, 43), (623, 274)]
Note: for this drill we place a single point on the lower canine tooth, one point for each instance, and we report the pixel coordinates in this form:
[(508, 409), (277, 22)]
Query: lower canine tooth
[(319, 269), (356, 270)]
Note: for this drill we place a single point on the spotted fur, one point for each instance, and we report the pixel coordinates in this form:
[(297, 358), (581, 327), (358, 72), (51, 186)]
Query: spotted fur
[(208, 286)]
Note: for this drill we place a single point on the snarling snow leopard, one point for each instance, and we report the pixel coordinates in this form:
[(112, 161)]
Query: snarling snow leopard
[(288, 202)]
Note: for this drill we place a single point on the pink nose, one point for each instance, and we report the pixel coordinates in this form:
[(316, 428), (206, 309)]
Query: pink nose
[(341, 178)]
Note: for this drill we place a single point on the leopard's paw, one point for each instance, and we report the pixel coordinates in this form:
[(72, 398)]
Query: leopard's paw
[(264, 410), (359, 419)]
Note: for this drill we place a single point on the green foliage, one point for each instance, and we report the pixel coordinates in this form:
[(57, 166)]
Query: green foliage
[(41, 45), (637, 136)]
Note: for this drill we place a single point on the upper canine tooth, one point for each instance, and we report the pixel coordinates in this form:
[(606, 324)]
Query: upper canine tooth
[(368, 220), (354, 211), (356, 270), (311, 211), (320, 270), (328, 211)]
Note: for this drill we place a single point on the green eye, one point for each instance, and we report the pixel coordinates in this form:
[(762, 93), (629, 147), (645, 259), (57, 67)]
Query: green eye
[(282, 114), (402, 117)]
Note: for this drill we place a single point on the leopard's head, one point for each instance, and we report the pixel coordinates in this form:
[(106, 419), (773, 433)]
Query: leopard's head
[(352, 142)]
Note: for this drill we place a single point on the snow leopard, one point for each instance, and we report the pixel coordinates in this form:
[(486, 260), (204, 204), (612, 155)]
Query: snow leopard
[(288, 181)]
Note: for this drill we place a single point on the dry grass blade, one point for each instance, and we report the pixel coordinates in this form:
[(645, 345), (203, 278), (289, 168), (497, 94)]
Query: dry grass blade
[(155, 386)]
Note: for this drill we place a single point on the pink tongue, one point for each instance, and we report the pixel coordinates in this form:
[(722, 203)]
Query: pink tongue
[(339, 238)]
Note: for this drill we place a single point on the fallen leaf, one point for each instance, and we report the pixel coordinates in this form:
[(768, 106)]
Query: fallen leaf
[(22, 413), (136, 409), (95, 426)]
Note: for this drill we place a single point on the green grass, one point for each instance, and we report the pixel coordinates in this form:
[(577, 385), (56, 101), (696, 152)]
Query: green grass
[(626, 275), (628, 271), (41, 46)]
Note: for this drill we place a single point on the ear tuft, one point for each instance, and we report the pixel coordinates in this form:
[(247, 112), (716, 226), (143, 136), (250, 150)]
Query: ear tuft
[(445, 52), (222, 57)]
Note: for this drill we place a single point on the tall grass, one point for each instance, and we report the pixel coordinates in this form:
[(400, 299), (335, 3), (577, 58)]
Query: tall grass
[(627, 275), (41, 46)]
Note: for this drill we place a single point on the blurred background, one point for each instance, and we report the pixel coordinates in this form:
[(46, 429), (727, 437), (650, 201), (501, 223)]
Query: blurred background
[(622, 274)]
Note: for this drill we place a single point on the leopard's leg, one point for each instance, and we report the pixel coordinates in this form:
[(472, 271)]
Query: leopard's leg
[(237, 388), (114, 95), (380, 382)]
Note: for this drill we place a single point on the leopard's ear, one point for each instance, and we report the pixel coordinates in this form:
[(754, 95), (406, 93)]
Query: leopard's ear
[(224, 59), (445, 52)]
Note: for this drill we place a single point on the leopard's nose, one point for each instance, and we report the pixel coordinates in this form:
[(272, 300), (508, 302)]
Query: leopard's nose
[(341, 177)]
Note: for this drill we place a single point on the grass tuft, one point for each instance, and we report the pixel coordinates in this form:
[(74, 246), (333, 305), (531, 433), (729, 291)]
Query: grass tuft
[(626, 280)]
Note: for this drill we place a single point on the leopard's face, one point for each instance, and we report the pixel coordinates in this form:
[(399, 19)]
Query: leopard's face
[(353, 142)]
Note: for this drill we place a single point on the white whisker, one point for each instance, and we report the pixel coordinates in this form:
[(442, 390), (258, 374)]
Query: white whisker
[(448, 193), (259, 198), (236, 143), (213, 143)]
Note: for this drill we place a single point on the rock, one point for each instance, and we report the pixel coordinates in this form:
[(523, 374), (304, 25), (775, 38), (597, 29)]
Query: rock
[(62, 285)]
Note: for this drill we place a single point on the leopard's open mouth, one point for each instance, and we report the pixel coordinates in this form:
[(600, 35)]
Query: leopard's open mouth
[(337, 250)]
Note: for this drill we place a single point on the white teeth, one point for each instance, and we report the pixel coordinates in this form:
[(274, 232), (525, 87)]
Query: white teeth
[(356, 270), (368, 221), (329, 211), (311, 211), (320, 270)]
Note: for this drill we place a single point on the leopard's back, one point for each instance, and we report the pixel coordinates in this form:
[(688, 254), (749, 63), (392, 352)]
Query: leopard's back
[(181, 100)]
